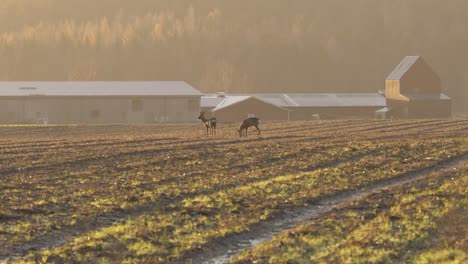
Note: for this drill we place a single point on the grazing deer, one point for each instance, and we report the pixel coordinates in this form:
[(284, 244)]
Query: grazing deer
[(251, 121), (210, 124)]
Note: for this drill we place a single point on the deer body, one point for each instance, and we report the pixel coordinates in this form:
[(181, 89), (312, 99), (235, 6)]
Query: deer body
[(210, 124), (249, 122)]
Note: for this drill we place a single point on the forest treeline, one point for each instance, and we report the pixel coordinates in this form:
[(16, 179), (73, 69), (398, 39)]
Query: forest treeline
[(235, 46)]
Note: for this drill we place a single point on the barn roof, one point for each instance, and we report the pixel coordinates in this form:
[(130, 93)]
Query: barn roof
[(282, 100), (338, 100), (428, 96), (210, 101), (235, 99), (302, 100), (383, 110), (403, 68), (230, 100), (98, 88)]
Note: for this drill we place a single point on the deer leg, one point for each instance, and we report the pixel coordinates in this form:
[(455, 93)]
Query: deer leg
[(258, 131)]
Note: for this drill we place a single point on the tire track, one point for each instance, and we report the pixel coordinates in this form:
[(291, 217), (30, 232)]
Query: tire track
[(221, 250)]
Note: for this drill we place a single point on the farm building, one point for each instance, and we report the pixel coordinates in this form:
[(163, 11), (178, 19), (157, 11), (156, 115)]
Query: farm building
[(292, 106), (237, 107), (335, 106), (208, 102), (98, 102), (413, 90)]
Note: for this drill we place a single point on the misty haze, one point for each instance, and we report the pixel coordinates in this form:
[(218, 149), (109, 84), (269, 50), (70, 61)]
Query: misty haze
[(262, 131)]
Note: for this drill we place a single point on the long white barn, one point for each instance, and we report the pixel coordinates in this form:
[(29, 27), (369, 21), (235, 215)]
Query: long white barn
[(98, 102), (304, 106)]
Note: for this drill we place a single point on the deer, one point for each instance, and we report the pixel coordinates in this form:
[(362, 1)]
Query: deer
[(249, 122), (210, 124)]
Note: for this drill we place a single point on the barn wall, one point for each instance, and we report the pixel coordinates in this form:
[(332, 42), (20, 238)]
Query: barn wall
[(240, 111), (399, 108), (392, 90), (9, 111), (420, 79), (430, 109), (171, 109), (94, 110), (421, 108), (309, 113)]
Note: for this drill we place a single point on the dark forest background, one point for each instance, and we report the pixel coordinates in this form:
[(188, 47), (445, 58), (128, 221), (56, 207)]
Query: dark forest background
[(236, 46)]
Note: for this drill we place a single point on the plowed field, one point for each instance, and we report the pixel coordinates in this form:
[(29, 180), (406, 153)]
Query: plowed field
[(168, 194)]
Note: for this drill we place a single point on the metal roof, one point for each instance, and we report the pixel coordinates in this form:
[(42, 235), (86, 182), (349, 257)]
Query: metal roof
[(383, 110), (210, 101), (338, 100), (427, 96), (98, 88), (234, 99), (300, 100), (281, 100), (230, 100), (403, 68)]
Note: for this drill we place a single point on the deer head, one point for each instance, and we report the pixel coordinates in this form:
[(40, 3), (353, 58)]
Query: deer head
[(239, 131), (201, 115)]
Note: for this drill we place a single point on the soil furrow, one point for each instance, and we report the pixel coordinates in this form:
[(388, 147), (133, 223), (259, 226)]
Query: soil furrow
[(103, 220), (221, 250)]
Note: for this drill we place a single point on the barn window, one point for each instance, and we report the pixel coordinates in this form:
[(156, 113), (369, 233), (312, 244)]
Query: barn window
[(95, 114), (250, 115), (137, 105)]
